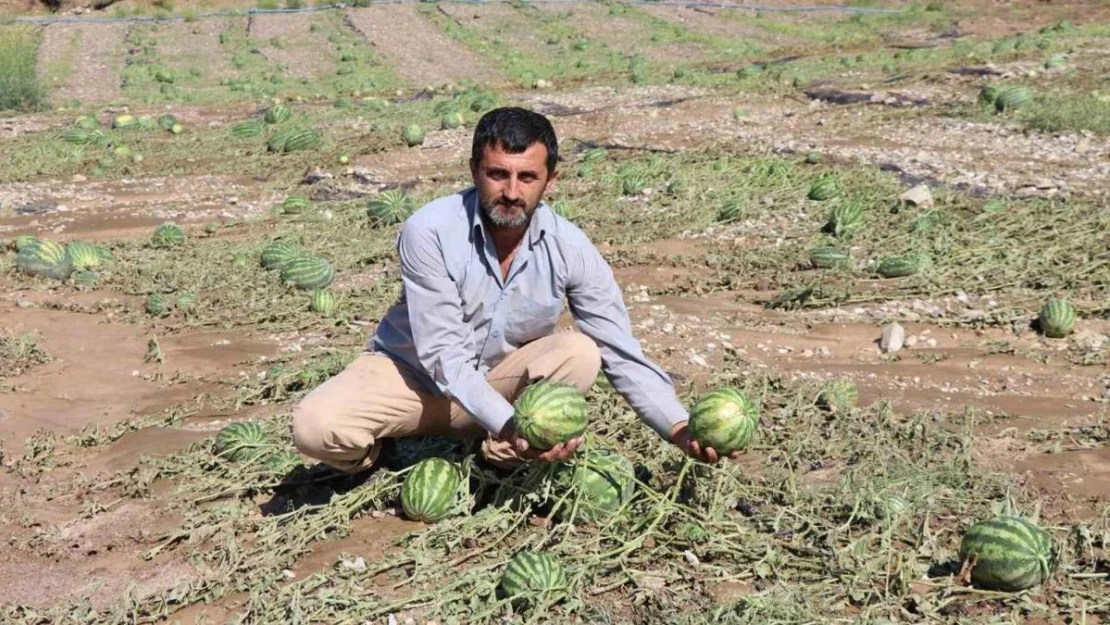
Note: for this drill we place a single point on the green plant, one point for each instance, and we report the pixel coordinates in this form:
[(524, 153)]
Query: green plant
[(19, 84)]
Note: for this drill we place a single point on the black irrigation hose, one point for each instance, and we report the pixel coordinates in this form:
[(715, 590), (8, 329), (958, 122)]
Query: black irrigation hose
[(341, 6)]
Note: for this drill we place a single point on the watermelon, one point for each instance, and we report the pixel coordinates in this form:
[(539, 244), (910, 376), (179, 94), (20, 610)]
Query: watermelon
[(429, 491), (168, 235), (897, 267), (825, 188), (85, 278), (323, 302), (278, 253), (730, 211), (157, 306), (166, 121), (282, 460), (724, 419), (838, 396), (602, 482), (390, 207), (82, 136), (88, 122), (532, 573), (550, 412), (307, 272), (413, 135), (124, 121), (749, 71), (451, 121), (248, 129), (894, 506), (293, 140), (1056, 61), (83, 255), (277, 113), (23, 241), (187, 302), (828, 257), (988, 94), (44, 258), (633, 185), (676, 187), (294, 205), (1007, 554), (844, 219), (812, 158), (241, 441), (1057, 318), (1010, 98)]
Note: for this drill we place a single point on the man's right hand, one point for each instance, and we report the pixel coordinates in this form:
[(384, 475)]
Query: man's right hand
[(558, 453)]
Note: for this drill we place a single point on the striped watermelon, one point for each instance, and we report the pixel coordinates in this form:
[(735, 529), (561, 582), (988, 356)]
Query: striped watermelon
[(294, 205), (302, 139), (323, 302), (532, 573), (82, 136), (601, 482), (307, 272), (277, 113), (166, 121), (550, 412), (23, 241), (825, 188), (895, 506), (83, 255), (248, 129), (44, 258), (241, 441), (429, 491), (1057, 318), (730, 211), (278, 253), (1010, 98), (828, 257), (168, 235), (413, 135), (988, 94), (187, 302), (844, 219), (1008, 554), (85, 278), (897, 267), (88, 122), (390, 207), (724, 419), (157, 305), (633, 184), (450, 121), (838, 396)]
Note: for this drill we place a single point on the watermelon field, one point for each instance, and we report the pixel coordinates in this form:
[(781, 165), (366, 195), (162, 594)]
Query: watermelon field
[(885, 225)]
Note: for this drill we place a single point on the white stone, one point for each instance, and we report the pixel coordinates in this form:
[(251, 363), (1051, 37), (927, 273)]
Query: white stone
[(919, 196), (894, 336)]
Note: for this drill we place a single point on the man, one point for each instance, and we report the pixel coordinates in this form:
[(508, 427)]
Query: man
[(484, 274)]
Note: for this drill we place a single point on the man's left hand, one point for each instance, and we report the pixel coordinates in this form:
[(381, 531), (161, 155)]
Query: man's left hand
[(680, 436), (525, 451)]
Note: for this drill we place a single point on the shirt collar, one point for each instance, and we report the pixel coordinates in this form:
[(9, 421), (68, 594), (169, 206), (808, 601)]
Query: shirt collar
[(542, 219)]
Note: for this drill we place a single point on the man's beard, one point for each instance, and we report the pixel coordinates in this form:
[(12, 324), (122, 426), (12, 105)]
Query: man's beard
[(510, 216)]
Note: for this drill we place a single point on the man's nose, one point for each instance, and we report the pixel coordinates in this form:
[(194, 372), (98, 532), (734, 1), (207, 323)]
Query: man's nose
[(512, 189)]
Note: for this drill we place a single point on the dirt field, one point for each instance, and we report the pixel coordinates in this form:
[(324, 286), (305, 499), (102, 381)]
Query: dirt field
[(692, 140)]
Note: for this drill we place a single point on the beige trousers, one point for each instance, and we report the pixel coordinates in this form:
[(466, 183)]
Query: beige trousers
[(342, 421)]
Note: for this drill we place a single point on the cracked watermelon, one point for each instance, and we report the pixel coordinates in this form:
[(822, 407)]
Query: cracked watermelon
[(550, 412), (1007, 554), (429, 491), (724, 419)]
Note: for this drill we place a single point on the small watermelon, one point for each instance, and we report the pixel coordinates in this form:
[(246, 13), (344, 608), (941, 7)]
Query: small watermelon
[(825, 188), (724, 419), (1057, 318), (451, 121), (83, 255), (633, 184), (550, 412), (294, 205), (277, 254), (730, 211), (1010, 98), (828, 257), (157, 305), (248, 129), (168, 235), (601, 482), (897, 267), (1007, 554), (838, 396), (282, 460), (277, 113), (124, 121), (413, 135), (307, 273), (988, 94), (532, 573), (390, 207), (85, 278), (429, 491), (844, 219), (187, 302), (241, 441), (323, 302)]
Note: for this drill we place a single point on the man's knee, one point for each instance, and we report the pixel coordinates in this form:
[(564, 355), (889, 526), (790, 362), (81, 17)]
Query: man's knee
[(582, 349), (311, 427)]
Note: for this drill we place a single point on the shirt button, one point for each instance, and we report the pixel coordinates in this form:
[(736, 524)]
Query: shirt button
[(496, 333)]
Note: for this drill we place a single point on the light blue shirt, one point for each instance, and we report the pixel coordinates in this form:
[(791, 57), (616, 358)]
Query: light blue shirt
[(457, 317)]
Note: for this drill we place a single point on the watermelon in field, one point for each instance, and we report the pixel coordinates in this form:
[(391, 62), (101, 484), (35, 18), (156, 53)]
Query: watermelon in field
[(83, 255), (724, 419), (278, 253), (1057, 318), (323, 302), (1008, 554), (600, 481), (532, 573), (429, 491), (282, 460), (277, 113), (168, 235), (307, 273), (248, 129), (85, 278), (828, 257), (124, 121), (295, 205), (897, 267), (838, 396), (390, 207), (413, 135), (550, 412), (241, 441), (825, 188), (44, 258), (844, 219), (157, 305), (1010, 98), (23, 241)]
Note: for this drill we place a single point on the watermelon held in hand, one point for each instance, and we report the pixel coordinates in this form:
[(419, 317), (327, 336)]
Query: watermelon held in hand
[(549, 412), (724, 419), (532, 573), (600, 481), (429, 490), (1007, 554), (241, 442)]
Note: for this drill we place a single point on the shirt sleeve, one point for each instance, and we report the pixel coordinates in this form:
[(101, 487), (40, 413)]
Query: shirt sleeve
[(442, 340), (598, 308)]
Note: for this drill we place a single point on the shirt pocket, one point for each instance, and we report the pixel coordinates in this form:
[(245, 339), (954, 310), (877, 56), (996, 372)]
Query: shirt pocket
[(532, 316)]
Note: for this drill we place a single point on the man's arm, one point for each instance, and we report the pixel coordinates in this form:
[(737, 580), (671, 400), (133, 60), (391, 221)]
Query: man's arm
[(440, 335), (599, 312)]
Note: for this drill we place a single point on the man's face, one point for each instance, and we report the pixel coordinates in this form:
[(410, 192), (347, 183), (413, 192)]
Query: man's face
[(510, 186)]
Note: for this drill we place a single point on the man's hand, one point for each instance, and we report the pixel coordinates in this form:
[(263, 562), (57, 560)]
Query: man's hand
[(557, 453), (680, 436)]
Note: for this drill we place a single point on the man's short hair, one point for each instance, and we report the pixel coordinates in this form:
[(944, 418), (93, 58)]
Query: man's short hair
[(514, 129)]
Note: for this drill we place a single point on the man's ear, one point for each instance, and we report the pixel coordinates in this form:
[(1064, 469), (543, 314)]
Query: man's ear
[(551, 181)]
